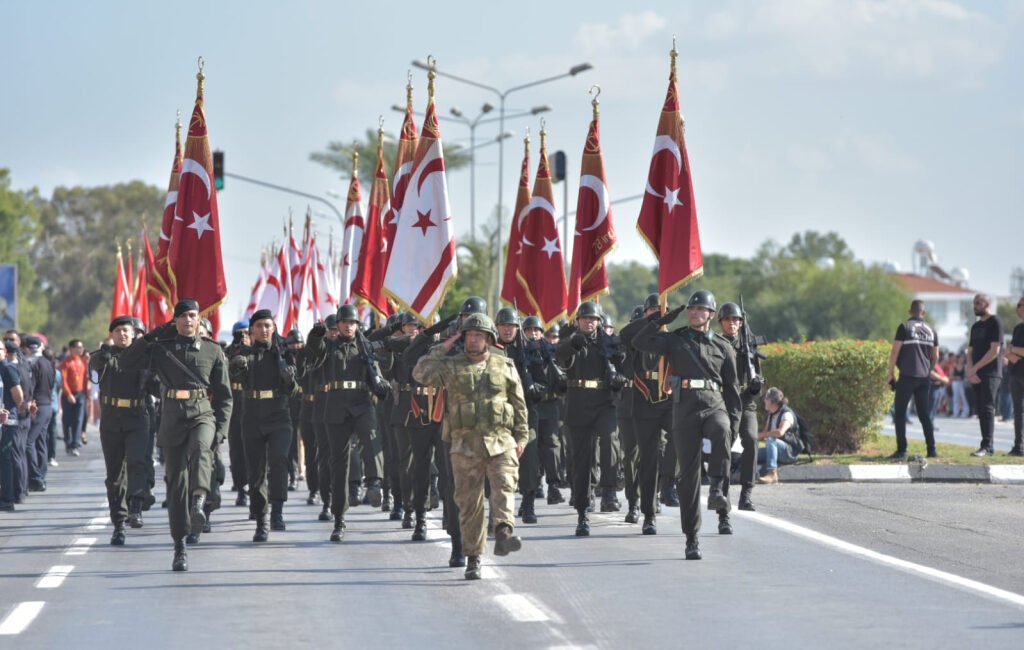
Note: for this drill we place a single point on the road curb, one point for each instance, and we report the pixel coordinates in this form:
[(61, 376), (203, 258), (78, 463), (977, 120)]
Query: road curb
[(903, 473)]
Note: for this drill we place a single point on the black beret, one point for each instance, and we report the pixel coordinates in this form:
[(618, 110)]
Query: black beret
[(260, 314), (119, 321), (184, 305)]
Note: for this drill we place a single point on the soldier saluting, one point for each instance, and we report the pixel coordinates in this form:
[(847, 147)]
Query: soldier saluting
[(195, 413), (705, 403)]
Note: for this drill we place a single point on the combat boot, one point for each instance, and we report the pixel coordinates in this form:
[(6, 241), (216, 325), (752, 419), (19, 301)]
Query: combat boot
[(262, 533), (135, 512), (456, 559), (554, 495), (716, 499), (633, 515), (745, 502), (117, 538), (277, 515), (388, 503), (590, 503), (608, 501), (692, 548), (353, 495), (724, 525), (180, 562), (473, 568), (242, 500), (192, 539), (208, 524), (539, 492), (419, 534), (650, 526), (375, 493), (505, 542), (435, 496), (339, 529), (407, 519), (529, 515), (671, 497), (325, 512), (583, 525), (311, 499), (197, 514), (396, 512)]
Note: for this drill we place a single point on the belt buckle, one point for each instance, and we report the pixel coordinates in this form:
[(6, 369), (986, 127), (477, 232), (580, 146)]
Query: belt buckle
[(266, 394), (697, 383), (123, 403), (182, 394), (590, 383)]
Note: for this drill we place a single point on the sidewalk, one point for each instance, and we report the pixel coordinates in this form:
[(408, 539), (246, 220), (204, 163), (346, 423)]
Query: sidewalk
[(912, 472)]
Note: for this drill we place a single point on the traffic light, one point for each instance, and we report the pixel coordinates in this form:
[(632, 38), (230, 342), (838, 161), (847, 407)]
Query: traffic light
[(218, 170), (558, 168)]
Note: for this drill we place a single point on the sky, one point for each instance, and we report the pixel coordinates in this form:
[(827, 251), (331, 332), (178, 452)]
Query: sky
[(885, 121)]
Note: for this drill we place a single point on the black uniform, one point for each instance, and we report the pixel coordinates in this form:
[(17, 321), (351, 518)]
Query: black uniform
[(236, 444), (305, 396), (748, 420), (705, 404), (543, 370)]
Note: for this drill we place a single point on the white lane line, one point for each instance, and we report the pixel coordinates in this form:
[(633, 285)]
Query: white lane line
[(21, 617), (55, 576), (97, 523), (80, 546), (520, 608), (888, 560)]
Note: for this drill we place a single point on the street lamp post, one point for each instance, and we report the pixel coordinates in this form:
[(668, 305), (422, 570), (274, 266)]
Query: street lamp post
[(502, 95)]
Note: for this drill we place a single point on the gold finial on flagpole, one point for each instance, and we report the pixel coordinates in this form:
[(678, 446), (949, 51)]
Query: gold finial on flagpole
[(408, 90), (526, 142), (431, 75), (117, 243), (674, 54), (594, 101), (543, 135), (200, 77), (355, 160), (177, 128)]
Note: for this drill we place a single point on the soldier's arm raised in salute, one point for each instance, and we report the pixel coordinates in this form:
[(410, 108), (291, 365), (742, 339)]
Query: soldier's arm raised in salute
[(432, 369), (650, 340)]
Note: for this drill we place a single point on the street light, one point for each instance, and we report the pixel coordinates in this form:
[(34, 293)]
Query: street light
[(502, 95)]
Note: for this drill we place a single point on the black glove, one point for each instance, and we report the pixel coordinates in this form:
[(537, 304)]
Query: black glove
[(288, 375), (381, 388), (318, 331), (239, 362), (616, 381), (377, 346), (755, 385), (537, 391), (670, 316), (578, 341)]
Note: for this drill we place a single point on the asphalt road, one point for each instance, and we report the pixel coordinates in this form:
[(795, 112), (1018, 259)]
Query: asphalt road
[(779, 582), (958, 431)]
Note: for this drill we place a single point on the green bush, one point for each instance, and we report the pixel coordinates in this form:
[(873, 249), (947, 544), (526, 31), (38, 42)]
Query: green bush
[(838, 386)]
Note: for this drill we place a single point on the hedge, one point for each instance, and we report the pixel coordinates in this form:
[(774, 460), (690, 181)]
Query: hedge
[(838, 386)]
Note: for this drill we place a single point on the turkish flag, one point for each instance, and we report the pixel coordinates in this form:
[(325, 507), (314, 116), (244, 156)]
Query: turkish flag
[(369, 282), (595, 232), (407, 142), (122, 302), (668, 215), (140, 304), (423, 263), (160, 277), (159, 309), (511, 291), (541, 265), (194, 257), (352, 237)]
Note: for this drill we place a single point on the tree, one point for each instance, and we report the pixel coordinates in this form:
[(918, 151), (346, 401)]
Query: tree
[(812, 245), (75, 255), (19, 223), (338, 155)]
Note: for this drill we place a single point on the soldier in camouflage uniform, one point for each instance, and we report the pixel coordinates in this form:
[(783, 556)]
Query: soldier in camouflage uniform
[(486, 425)]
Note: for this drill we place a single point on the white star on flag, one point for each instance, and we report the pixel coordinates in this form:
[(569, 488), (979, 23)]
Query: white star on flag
[(200, 223), (672, 198), (550, 246)]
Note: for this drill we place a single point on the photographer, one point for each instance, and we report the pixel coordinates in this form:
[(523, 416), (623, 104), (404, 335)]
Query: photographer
[(779, 436)]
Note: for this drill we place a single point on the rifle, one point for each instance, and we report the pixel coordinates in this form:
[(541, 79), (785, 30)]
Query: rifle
[(378, 384), (750, 354), (614, 380)]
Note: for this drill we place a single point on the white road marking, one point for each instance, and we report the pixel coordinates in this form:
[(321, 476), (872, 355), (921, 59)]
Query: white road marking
[(1006, 473), (21, 617), (80, 546), (97, 523), (880, 472), (911, 567), (55, 576), (520, 608)]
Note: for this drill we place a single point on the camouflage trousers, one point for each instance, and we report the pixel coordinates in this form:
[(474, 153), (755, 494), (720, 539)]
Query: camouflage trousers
[(502, 471)]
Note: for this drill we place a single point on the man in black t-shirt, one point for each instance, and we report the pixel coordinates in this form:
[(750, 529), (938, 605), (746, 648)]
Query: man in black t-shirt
[(985, 368), (1015, 357), (914, 351)]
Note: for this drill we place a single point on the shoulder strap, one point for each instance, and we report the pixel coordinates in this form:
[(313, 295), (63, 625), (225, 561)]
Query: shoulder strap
[(188, 371)]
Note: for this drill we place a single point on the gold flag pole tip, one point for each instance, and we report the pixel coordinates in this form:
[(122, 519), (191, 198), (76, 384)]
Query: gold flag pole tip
[(431, 75)]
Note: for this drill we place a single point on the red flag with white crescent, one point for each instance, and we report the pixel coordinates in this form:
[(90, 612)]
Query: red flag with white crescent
[(423, 263), (369, 282), (160, 278), (595, 232), (140, 300), (159, 308), (668, 215), (194, 257), (541, 267), (352, 237), (511, 291)]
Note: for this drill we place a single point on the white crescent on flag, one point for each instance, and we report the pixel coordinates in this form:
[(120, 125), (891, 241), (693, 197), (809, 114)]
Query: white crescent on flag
[(598, 187), (665, 143)]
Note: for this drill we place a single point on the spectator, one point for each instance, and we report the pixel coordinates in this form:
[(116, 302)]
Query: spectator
[(38, 434), (985, 369), (915, 351), (1015, 359), (12, 399), (51, 430), (74, 395), (961, 409), (777, 449), (12, 341), (940, 382)]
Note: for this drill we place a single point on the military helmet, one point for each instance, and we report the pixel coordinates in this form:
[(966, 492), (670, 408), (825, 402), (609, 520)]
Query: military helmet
[(409, 318), (589, 309), (606, 320), (474, 305), (507, 316), (240, 325), (532, 322), (729, 310), (393, 320), (139, 325), (702, 298), (652, 300), (294, 336), (347, 313), (331, 321), (481, 323), (208, 326), (638, 313)]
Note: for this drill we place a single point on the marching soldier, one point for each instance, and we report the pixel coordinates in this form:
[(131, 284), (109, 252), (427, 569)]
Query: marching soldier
[(590, 409), (196, 410), (403, 327), (303, 418), (314, 381), (705, 403), (352, 378), (627, 430), (123, 428), (267, 375), (730, 318), (236, 448), (486, 426), (545, 371), (150, 394)]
